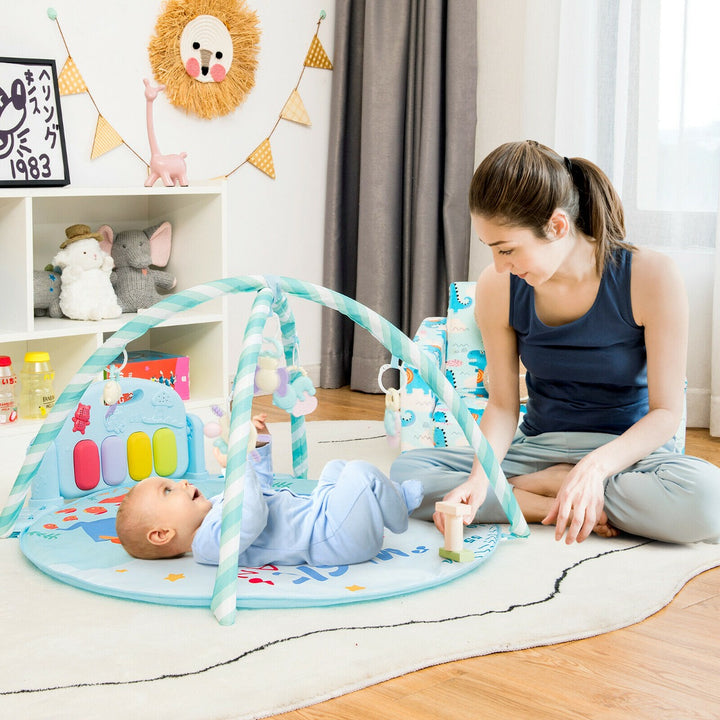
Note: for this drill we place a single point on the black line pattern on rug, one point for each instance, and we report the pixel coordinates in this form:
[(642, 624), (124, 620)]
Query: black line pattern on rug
[(346, 440), (439, 621)]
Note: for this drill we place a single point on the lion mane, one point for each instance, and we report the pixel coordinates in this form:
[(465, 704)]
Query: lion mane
[(205, 99)]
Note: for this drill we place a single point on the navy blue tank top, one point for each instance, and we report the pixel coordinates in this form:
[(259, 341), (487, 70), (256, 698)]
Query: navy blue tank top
[(589, 374)]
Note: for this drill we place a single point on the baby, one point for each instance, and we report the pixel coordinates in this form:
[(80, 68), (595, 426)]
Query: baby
[(340, 523)]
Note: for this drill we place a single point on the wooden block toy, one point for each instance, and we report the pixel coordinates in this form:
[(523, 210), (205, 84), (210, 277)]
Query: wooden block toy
[(454, 514)]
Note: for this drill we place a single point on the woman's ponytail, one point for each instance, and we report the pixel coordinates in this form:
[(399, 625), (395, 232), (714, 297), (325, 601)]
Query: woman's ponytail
[(523, 183), (601, 214)]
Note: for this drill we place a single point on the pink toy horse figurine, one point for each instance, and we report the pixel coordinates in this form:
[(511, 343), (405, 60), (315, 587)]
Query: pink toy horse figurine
[(169, 168)]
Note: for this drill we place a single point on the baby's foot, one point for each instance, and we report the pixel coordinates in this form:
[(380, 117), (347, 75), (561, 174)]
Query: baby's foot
[(412, 492)]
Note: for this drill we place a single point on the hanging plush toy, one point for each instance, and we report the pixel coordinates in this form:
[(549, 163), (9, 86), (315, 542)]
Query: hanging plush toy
[(113, 394), (219, 432), (270, 375), (392, 416), (299, 397), (291, 388)]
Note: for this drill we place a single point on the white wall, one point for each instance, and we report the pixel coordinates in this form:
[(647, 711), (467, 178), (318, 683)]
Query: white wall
[(518, 52), (274, 226), (516, 95)]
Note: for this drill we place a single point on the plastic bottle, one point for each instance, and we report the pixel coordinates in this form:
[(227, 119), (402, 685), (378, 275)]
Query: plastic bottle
[(8, 406), (37, 395)]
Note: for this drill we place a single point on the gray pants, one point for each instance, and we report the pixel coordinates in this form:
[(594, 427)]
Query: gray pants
[(665, 496)]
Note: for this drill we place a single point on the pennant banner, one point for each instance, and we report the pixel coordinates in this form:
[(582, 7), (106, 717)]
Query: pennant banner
[(317, 57), (106, 138), (294, 110), (70, 81), (262, 158)]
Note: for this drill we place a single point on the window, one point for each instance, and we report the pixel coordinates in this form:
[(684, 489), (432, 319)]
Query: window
[(678, 160)]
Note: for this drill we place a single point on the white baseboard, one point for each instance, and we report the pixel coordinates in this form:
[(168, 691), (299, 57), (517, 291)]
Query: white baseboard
[(313, 372), (714, 423), (698, 407)]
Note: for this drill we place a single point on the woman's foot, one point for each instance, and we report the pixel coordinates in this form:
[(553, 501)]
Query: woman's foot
[(535, 493), (545, 482), (603, 528)]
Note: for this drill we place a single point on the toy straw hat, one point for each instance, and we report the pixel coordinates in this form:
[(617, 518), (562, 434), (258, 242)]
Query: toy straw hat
[(79, 232)]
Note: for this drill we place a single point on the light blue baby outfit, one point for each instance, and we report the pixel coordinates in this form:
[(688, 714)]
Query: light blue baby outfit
[(587, 383), (342, 522)]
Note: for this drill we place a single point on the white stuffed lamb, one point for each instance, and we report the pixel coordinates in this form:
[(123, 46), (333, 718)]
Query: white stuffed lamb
[(86, 292)]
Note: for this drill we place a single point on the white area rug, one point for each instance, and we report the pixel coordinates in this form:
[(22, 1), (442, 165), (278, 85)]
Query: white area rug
[(72, 654)]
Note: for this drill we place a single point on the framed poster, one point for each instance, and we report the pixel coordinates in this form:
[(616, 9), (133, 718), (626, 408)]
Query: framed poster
[(32, 141)]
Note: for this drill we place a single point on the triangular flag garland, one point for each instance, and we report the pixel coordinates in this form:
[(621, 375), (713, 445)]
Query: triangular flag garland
[(70, 82), (294, 110), (317, 57), (262, 158), (106, 138)]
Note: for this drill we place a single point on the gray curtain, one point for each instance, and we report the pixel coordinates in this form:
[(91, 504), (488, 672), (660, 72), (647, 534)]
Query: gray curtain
[(402, 138)]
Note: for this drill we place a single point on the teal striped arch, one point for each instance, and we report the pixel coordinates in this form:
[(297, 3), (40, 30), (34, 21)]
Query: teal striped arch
[(223, 600), (271, 297)]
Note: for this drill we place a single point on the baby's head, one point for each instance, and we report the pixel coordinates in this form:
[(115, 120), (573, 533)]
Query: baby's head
[(159, 517)]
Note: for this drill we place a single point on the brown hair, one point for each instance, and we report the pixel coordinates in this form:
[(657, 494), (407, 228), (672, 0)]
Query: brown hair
[(522, 184)]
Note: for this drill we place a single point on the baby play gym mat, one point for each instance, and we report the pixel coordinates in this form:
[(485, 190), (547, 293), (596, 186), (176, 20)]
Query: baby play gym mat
[(101, 437), (77, 544)]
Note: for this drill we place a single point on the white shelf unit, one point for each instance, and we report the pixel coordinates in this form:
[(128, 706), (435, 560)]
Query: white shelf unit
[(32, 226)]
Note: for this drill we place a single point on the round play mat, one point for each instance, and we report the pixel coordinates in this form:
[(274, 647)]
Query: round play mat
[(75, 541), (77, 544)]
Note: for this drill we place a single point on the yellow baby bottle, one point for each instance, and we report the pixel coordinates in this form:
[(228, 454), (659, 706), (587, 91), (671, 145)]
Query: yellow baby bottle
[(37, 395)]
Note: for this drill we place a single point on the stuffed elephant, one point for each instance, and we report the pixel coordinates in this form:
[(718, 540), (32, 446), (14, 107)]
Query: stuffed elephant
[(134, 251), (46, 293)]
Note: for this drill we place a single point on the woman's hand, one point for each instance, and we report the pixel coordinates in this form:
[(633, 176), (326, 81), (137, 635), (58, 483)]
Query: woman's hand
[(472, 492), (579, 505)]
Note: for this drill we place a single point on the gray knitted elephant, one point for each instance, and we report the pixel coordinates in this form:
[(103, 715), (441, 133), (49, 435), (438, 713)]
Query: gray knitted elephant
[(134, 251), (46, 293)]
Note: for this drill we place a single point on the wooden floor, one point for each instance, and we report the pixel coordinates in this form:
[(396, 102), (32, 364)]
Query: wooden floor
[(664, 668)]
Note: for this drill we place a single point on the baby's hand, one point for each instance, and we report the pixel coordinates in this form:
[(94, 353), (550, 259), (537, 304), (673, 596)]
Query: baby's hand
[(259, 422)]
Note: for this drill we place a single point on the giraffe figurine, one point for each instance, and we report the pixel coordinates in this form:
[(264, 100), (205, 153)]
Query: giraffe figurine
[(171, 169)]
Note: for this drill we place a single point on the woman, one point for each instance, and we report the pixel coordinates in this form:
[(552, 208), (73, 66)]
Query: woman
[(601, 326)]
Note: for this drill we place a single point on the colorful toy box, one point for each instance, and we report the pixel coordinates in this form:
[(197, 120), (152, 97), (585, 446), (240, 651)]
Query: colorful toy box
[(456, 347), (170, 370)]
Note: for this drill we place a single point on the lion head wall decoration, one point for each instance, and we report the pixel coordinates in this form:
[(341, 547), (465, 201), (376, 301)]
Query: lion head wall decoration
[(205, 54)]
